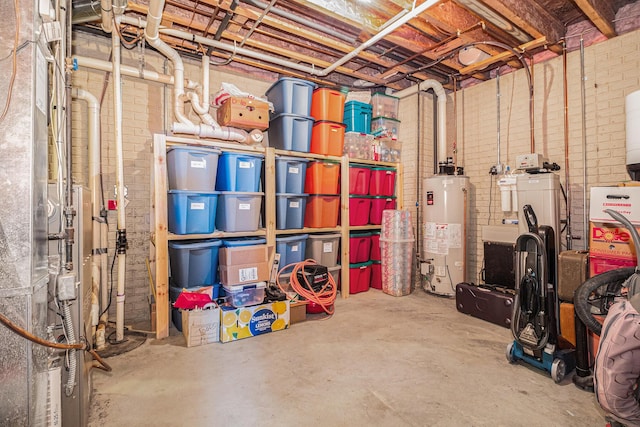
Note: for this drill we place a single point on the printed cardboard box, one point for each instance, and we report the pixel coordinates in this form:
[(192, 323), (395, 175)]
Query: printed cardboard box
[(609, 240), (244, 113), (201, 326), (245, 322)]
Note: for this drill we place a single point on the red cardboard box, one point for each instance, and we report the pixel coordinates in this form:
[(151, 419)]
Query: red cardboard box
[(609, 240)]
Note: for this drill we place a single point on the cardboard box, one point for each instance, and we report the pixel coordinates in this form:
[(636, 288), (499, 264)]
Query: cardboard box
[(567, 322), (609, 240), (245, 322), (625, 200), (599, 265), (244, 113), (201, 326), (242, 255), (298, 312), (244, 273)]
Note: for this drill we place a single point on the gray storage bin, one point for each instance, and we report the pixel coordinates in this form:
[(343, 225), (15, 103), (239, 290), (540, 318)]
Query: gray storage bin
[(191, 168), (238, 211), (324, 248)]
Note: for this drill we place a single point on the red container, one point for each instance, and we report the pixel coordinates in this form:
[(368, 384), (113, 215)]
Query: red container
[(327, 138), (359, 179), (322, 178), (322, 211), (376, 275), (327, 104), (359, 277), (359, 247), (383, 181), (359, 208), (378, 204), (375, 254)]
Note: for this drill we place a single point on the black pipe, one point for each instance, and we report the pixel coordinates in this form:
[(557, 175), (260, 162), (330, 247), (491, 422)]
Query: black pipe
[(583, 378)]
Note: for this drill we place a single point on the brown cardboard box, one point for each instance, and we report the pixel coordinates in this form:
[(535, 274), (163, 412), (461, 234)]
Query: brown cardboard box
[(244, 273), (242, 255), (298, 312), (201, 326), (244, 113)]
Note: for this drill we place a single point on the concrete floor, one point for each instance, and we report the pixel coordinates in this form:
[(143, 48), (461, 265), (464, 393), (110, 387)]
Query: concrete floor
[(381, 361)]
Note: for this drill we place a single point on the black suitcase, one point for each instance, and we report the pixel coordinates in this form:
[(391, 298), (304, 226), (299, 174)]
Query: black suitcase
[(485, 302)]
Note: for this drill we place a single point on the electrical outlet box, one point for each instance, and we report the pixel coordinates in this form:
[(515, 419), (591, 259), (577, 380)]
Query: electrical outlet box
[(67, 287), (529, 161)]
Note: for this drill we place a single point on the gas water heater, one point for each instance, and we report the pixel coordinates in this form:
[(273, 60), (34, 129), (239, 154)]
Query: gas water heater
[(444, 222)]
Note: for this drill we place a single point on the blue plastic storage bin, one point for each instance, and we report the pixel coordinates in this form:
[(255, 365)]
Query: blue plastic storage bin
[(243, 241), (238, 211), (291, 132), (357, 117), (290, 210), (194, 263), (292, 96), (290, 175), (191, 212), (192, 168), (291, 249), (239, 172)]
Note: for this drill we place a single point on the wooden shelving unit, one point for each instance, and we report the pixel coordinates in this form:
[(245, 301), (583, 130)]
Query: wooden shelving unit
[(160, 236)]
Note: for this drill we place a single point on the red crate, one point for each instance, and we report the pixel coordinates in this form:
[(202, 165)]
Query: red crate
[(375, 254), (359, 277), (383, 181), (359, 247), (378, 204), (359, 208), (376, 275), (359, 179)]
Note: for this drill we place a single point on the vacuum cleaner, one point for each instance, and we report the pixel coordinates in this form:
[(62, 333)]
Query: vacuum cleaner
[(534, 322)]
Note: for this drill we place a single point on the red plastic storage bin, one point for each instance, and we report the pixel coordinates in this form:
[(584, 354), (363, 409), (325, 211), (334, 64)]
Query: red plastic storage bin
[(359, 247), (359, 277), (327, 104), (322, 211), (322, 178), (359, 208), (359, 179), (378, 204), (375, 254), (383, 181), (327, 138), (376, 275)]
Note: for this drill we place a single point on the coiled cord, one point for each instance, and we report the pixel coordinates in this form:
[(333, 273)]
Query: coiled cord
[(325, 297)]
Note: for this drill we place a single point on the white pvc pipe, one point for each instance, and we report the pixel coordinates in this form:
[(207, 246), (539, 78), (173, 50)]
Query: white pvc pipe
[(99, 256), (151, 35), (117, 108), (106, 12), (223, 132), (442, 111), (125, 70)]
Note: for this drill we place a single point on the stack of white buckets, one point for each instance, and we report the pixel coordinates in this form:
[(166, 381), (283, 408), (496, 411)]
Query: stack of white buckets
[(397, 252)]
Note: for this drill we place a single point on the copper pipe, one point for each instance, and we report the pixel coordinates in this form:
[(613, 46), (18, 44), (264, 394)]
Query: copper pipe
[(28, 335), (531, 109)]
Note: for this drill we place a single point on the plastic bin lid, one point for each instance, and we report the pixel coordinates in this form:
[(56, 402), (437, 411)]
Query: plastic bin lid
[(383, 168), (334, 162), (287, 195), (198, 193), (383, 197), (238, 288), (240, 193), (360, 196), (358, 104), (296, 238), (291, 79), (376, 262), (359, 166), (195, 149), (247, 241), (360, 234), (361, 264), (324, 236), (288, 158), (386, 118), (196, 244), (296, 116), (237, 154)]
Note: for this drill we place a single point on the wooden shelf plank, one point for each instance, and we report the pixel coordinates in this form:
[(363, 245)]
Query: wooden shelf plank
[(217, 235), (307, 155), (307, 230), (213, 143), (160, 236)]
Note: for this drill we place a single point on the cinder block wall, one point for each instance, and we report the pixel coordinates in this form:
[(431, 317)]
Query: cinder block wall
[(612, 71)]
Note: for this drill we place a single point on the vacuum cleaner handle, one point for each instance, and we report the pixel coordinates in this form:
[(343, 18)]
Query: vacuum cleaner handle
[(530, 216), (632, 230)]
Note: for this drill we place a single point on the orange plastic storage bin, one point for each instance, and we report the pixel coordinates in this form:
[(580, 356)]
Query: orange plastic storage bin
[(327, 104), (322, 211), (322, 178), (327, 138)]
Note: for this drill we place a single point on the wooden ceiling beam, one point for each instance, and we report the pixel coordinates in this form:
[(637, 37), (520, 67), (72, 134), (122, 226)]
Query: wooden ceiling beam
[(532, 18), (502, 56), (601, 13)]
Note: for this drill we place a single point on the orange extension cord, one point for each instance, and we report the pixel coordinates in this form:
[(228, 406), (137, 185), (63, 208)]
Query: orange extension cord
[(324, 298)]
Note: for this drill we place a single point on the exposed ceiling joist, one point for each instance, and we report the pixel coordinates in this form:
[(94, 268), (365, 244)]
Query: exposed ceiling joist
[(601, 13), (503, 56)]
